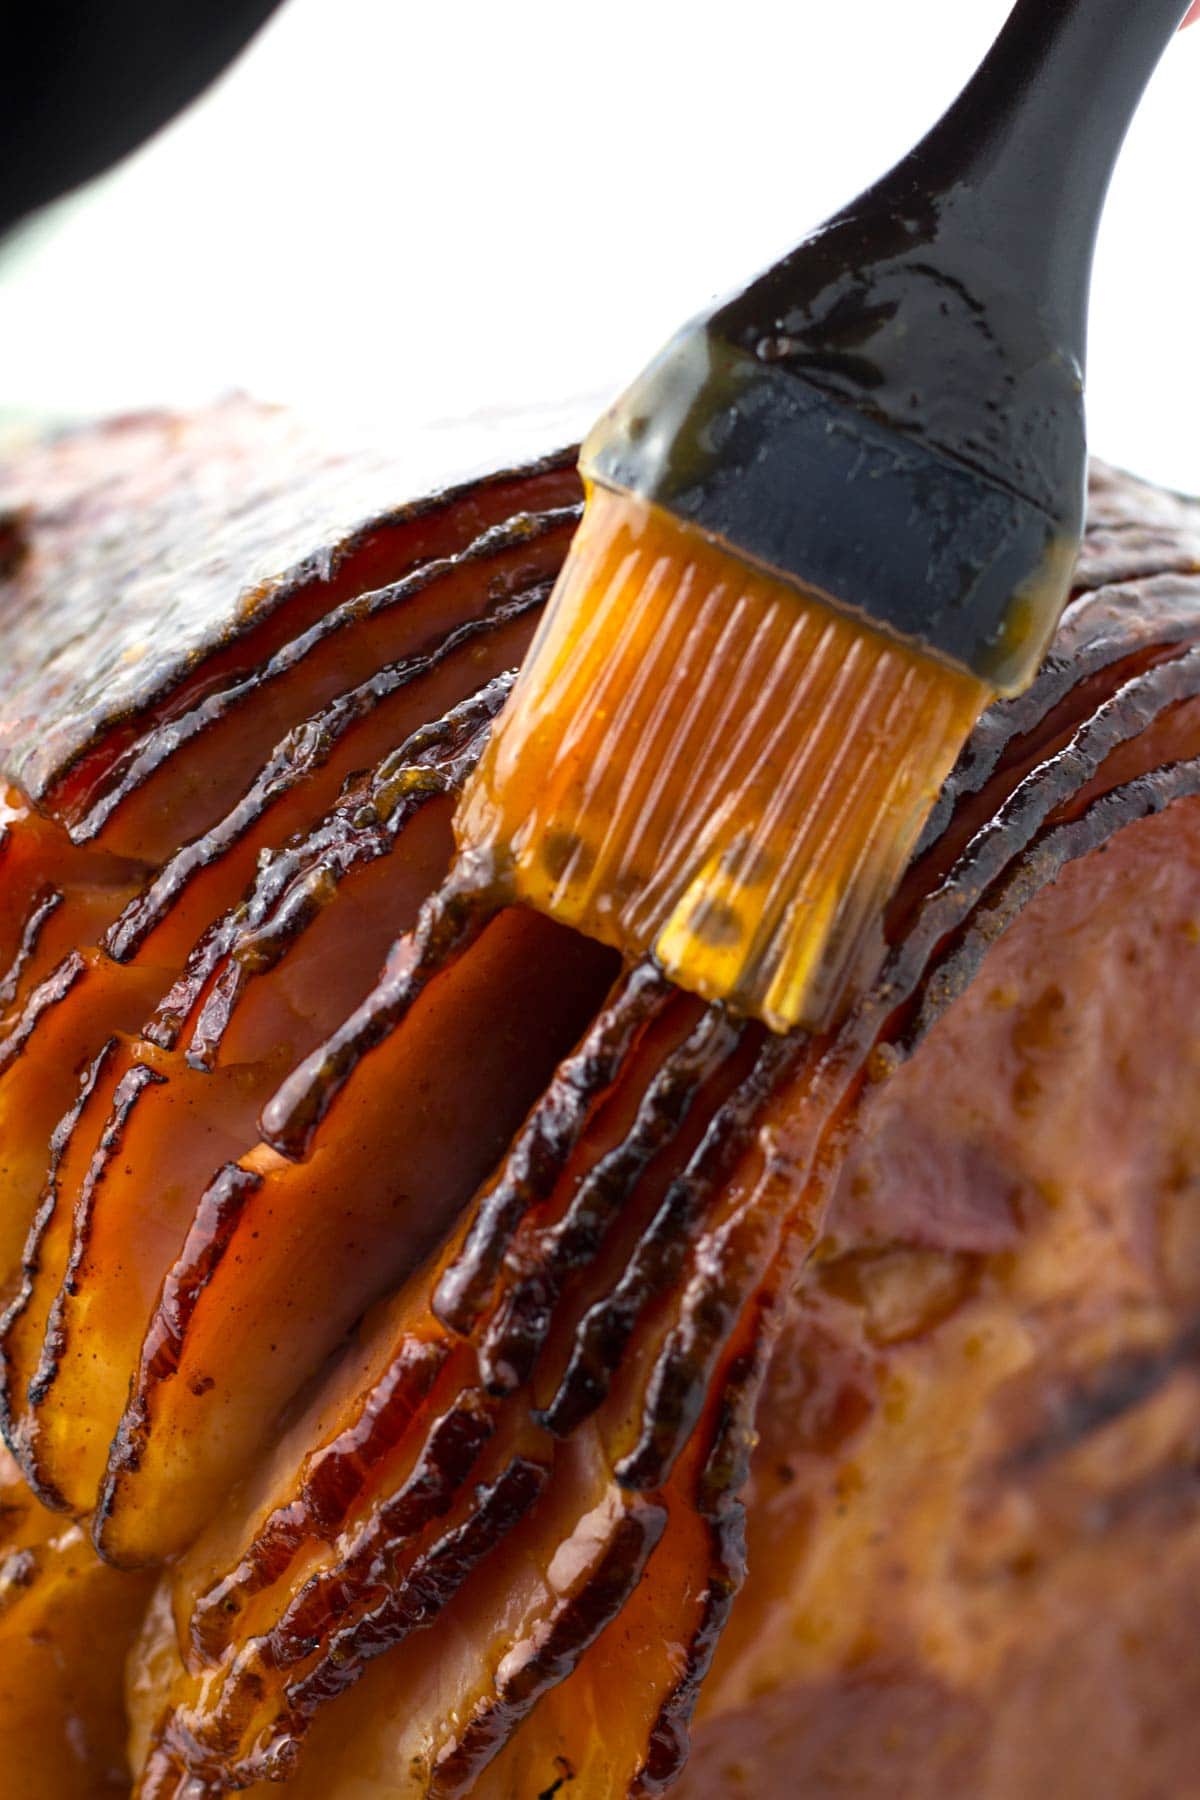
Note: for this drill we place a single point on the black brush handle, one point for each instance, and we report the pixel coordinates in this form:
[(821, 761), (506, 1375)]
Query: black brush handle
[(893, 414), (934, 295), (1036, 133)]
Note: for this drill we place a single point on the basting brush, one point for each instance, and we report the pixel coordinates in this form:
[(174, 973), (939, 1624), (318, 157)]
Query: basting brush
[(830, 523)]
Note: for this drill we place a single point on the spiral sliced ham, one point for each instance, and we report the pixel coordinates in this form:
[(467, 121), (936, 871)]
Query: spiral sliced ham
[(524, 1373)]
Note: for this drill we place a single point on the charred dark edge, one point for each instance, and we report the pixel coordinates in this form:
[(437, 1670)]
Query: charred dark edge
[(315, 870), (45, 903), (676, 1390), (334, 1602), (450, 921), (349, 1590), (126, 1095), (1082, 649), (543, 1146), (605, 1329), (48, 993), (308, 746), (1139, 798), (32, 1259), (1001, 840), (131, 769), (1122, 716), (314, 891), (216, 1220), (363, 822), (220, 1212), (333, 1478), (429, 1587), (573, 1627), (519, 1328), (718, 1500), (451, 743)]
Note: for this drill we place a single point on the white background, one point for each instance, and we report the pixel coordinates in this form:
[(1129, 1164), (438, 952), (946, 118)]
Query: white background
[(395, 214)]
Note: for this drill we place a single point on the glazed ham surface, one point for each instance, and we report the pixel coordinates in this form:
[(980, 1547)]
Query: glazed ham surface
[(441, 1361)]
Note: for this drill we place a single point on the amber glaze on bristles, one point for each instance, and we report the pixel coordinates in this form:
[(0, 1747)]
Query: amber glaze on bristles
[(703, 762)]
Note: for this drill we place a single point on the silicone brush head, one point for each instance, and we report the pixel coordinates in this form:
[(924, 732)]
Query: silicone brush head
[(702, 762)]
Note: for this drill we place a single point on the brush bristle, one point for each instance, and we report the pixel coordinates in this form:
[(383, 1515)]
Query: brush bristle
[(701, 761)]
